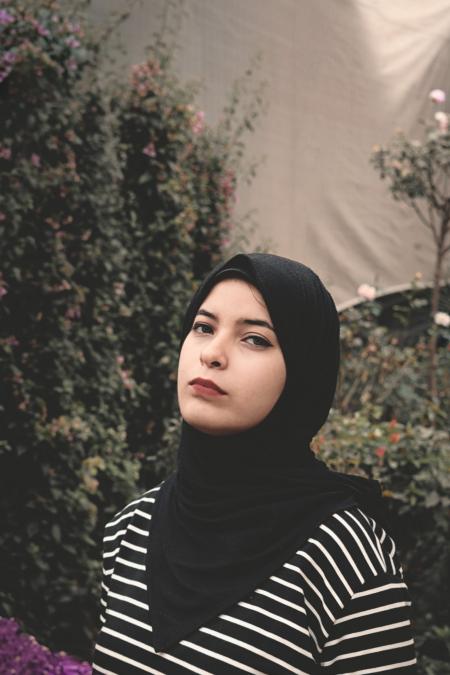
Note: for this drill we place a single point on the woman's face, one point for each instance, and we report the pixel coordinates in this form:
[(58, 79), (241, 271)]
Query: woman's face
[(231, 345)]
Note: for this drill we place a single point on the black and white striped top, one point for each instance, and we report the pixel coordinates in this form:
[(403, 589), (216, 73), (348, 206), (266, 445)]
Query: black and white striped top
[(339, 605)]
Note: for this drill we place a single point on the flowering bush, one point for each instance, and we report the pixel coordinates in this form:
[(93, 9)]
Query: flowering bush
[(22, 654), (385, 359), (417, 172), (383, 425), (412, 462), (178, 190), (112, 205), (62, 449)]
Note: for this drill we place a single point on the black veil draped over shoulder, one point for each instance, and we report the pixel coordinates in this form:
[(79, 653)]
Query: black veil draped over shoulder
[(239, 506)]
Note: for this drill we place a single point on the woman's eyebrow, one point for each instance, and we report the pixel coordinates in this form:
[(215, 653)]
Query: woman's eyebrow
[(248, 322)]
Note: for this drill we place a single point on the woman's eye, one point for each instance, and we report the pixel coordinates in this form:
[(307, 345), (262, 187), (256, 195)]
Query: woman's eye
[(206, 329), (258, 341), (202, 328)]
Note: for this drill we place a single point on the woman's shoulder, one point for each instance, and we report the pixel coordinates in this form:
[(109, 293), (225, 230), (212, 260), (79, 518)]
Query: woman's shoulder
[(352, 549), (356, 598), (139, 508)]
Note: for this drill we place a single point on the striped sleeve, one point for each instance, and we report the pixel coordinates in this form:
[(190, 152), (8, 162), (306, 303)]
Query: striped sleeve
[(338, 606), (373, 633), (115, 529)]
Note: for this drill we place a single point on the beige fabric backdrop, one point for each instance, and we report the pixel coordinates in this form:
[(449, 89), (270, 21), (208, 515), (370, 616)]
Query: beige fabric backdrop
[(342, 76)]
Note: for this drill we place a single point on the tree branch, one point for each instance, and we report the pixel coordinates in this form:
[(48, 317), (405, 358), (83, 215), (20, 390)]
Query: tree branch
[(410, 201)]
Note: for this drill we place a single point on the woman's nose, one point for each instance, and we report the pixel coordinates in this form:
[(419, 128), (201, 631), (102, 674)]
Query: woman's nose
[(214, 354)]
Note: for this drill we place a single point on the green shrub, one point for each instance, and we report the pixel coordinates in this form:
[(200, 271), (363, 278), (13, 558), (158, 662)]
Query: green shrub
[(385, 360), (179, 180), (156, 132), (412, 462), (62, 460), (384, 426), (112, 206)]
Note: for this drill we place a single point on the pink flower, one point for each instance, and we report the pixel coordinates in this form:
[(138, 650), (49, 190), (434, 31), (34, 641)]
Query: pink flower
[(5, 17), (380, 451), (74, 27), (120, 359), (5, 153), (71, 65), (442, 120), (127, 382), (9, 58), (42, 30), (442, 319), (367, 292), (72, 42), (73, 313), (150, 150), (198, 122), (2, 216), (3, 291), (35, 160), (227, 184), (144, 71), (437, 96)]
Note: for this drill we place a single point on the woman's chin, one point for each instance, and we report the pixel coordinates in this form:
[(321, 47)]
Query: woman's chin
[(210, 424)]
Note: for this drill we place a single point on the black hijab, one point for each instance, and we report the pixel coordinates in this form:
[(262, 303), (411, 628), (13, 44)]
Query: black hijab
[(241, 505)]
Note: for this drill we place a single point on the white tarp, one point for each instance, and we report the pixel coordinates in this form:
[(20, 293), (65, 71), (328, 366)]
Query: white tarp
[(342, 76)]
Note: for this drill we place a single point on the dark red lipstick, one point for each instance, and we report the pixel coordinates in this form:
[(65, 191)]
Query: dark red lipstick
[(207, 387)]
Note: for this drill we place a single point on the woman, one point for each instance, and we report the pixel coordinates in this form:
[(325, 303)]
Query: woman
[(254, 557)]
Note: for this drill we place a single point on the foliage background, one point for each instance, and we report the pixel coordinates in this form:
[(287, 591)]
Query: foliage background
[(384, 425), (115, 201)]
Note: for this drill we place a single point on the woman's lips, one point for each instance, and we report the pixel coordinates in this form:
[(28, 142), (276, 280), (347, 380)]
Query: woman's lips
[(206, 387), (205, 391)]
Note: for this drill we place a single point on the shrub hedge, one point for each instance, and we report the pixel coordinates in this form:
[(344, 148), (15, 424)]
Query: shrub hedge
[(383, 425), (112, 204), (63, 399)]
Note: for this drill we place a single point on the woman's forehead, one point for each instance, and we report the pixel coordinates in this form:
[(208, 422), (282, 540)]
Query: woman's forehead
[(234, 294)]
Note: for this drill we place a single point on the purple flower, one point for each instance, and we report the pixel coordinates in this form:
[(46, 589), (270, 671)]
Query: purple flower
[(72, 42), (71, 65), (73, 313), (150, 150), (7, 62), (21, 653), (5, 17), (42, 30), (74, 27), (9, 57)]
